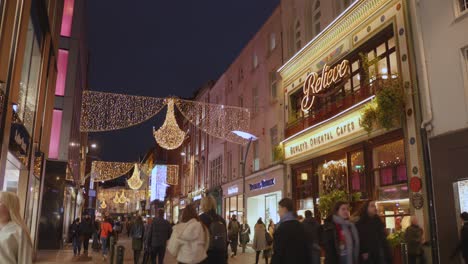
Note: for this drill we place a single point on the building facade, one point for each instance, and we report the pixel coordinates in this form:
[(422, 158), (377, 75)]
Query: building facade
[(29, 33), (330, 84), (441, 46)]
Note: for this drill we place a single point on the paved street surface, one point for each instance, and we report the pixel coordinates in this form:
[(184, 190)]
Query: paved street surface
[(66, 256)]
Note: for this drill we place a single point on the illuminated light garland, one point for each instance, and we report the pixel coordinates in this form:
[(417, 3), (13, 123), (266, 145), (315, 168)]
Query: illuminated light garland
[(103, 204), (169, 135), (216, 120), (108, 111), (106, 170), (110, 194), (135, 181), (172, 174)]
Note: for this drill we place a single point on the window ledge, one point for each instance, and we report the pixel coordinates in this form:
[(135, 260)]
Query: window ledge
[(460, 16)]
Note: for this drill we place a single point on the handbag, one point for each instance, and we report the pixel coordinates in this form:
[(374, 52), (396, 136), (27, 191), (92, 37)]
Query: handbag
[(268, 238)]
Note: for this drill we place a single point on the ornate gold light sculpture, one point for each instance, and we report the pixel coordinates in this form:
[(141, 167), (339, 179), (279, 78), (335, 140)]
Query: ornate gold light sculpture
[(169, 135), (105, 170), (172, 174), (135, 181), (103, 204)]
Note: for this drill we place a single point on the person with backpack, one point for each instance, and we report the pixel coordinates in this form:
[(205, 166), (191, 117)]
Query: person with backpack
[(244, 234), (312, 230), (106, 231), (137, 232), (262, 241), (233, 234), (190, 239), (217, 251), (159, 235), (289, 245), (74, 233)]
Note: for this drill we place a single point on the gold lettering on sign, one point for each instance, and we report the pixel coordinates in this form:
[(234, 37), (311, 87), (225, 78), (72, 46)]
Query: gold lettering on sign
[(314, 84)]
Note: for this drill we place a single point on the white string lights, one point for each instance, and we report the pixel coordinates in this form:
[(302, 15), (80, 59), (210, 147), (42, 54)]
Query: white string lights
[(106, 170), (169, 135), (108, 111), (135, 181)]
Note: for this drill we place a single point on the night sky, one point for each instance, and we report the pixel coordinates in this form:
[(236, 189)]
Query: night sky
[(161, 48)]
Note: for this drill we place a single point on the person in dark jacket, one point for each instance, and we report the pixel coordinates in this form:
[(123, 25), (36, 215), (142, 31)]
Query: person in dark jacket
[(312, 230), (414, 240), (289, 242), (373, 245), (86, 231), (340, 237), (208, 206), (244, 236), (463, 243), (159, 234), (74, 233), (137, 233), (233, 234)]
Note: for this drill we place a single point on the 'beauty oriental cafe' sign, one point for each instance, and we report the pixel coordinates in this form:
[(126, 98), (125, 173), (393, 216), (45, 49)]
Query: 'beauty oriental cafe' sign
[(324, 134)]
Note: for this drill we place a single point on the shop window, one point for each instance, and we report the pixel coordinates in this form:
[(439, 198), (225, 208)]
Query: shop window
[(333, 176), (389, 163), (357, 172), (396, 214), (67, 18)]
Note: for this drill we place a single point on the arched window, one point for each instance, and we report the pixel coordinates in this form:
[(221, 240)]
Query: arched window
[(316, 15)]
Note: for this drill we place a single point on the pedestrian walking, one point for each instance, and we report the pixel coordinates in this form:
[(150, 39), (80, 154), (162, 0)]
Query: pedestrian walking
[(137, 232), (414, 241), (244, 237), (217, 251), (233, 234), (86, 231), (15, 241), (271, 228), (128, 225), (260, 242), (74, 231), (340, 237), (373, 245), (160, 232), (96, 231), (190, 239), (106, 232), (462, 246), (312, 231), (289, 243), (147, 248)]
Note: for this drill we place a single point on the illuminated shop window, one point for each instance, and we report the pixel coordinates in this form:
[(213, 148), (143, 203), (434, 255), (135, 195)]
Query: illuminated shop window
[(62, 65), (67, 18), (55, 131)]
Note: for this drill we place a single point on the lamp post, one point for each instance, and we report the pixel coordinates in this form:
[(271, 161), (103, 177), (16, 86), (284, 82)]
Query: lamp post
[(250, 138)]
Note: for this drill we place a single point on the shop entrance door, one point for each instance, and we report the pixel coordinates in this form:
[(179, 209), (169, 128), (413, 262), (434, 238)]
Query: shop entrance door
[(271, 208)]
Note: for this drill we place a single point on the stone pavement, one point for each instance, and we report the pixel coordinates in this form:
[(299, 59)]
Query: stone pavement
[(66, 256)]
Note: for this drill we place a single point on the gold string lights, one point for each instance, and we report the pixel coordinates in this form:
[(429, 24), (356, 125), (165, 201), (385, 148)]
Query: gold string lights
[(108, 111), (135, 181), (106, 170), (172, 177), (169, 135)]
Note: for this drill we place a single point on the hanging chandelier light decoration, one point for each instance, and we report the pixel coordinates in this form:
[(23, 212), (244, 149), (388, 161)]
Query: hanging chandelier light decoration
[(172, 174), (106, 170), (117, 195), (103, 204), (108, 111), (169, 135), (135, 181)]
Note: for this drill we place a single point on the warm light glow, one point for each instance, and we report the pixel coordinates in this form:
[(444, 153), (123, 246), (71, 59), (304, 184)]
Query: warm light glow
[(135, 181), (94, 145), (105, 170), (304, 176), (169, 135)]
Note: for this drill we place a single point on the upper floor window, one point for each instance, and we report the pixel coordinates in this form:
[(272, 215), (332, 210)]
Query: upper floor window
[(272, 41), (273, 86), (230, 86), (297, 35), (341, 5), (255, 60), (316, 15), (256, 161), (462, 5), (67, 18)]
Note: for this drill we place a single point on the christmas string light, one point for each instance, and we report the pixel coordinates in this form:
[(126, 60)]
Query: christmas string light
[(103, 204), (108, 111), (216, 120), (106, 170), (135, 181), (120, 195), (172, 174), (169, 135)]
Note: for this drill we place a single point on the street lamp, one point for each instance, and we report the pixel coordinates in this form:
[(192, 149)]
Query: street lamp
[(93, 145), (250, 138)]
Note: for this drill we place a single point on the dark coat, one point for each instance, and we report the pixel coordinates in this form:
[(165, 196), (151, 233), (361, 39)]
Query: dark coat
[(312, 231), (160, 232), (373, 240), (413, 238), (86, 228), (74, 230), (290, 244), (462, 246), (214, 257)]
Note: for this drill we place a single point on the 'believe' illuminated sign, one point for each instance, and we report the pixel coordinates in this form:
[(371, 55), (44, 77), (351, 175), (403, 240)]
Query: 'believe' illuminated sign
[(262, 184), (314, 84)]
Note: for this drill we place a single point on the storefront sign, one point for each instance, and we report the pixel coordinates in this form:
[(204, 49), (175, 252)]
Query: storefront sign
[(314, 85), (417, 200), (233, 190), (19, 138), (262, 184), (334, 131)]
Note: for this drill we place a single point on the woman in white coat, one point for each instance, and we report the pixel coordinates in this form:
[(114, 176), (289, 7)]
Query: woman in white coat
[(15, 241), (260, 242), (190, 239)]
